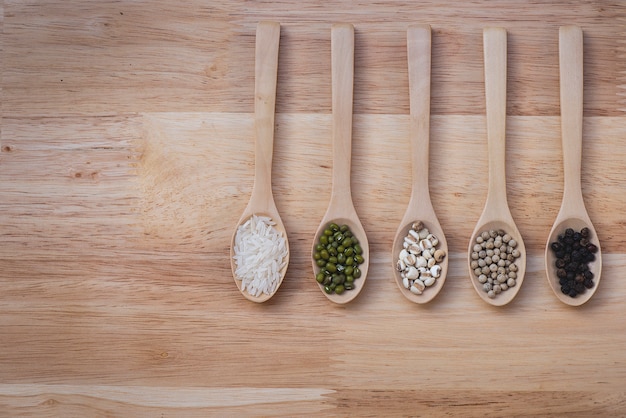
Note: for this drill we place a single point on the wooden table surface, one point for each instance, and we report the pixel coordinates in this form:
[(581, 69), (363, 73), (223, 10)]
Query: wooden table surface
[(127, 156)]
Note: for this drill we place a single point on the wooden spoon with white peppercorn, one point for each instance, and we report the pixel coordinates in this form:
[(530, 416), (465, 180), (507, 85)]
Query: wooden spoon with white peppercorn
[(573, 213), (496, 214), (262, 201), (420, 208), (341, 208)]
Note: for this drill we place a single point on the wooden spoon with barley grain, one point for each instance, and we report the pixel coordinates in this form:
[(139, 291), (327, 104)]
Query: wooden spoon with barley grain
[(420, 207), (573, 213), (261, 201), (496, 214), (341, 208)]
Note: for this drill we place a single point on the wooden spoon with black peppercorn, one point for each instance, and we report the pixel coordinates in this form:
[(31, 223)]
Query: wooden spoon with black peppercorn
[(573, 214), (496, 214)]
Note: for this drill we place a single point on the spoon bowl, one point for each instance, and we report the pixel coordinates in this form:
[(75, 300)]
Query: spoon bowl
[(420, 207), (341, 209), (550, 259), (499, 223), (496, 214), (261, 201), (572, 213), (357, 230), (432, 224)]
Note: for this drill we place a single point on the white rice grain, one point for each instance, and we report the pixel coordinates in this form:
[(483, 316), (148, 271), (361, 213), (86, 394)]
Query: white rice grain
[(260, 254)]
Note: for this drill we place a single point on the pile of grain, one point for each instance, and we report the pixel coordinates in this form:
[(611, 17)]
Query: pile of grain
[(260, 254)]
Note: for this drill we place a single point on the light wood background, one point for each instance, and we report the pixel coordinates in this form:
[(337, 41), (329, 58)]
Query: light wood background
[(126, 158)]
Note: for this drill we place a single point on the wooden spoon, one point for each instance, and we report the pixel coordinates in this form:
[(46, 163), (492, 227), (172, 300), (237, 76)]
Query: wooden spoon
[(496, 214), (420, 207), (341, 209), (572, 213), (262, 200)]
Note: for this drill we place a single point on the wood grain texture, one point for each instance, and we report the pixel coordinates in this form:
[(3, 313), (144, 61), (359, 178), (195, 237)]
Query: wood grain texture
[(127, 156)]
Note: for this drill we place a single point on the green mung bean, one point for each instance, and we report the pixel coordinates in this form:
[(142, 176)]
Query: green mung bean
[(338, 255)]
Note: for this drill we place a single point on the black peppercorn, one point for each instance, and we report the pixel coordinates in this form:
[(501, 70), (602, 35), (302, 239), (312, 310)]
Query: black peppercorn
[(573, 252)]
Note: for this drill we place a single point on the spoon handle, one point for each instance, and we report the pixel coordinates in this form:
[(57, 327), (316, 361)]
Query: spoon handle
[(419, 58), (495, 50), (571, 87), (265, 73), (342, 51)]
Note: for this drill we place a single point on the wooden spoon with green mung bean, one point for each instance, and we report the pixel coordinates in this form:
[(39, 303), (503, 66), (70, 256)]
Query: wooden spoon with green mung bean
[(341, 208), (572, 213), (496, 214), (261, 201), (420, 207)]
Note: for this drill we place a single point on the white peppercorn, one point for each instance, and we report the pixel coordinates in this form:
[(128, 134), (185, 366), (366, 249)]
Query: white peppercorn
[(493, 261)]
